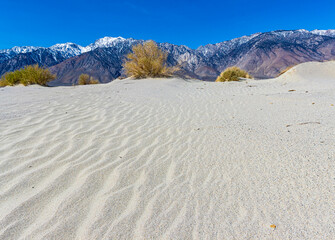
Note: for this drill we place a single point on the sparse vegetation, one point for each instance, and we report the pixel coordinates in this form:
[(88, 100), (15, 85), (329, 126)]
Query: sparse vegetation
[(85, 79), (32, 74), (147, 60), (285, 70), (232, 74)]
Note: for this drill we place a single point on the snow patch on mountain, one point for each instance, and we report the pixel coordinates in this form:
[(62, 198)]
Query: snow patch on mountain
[(330, 32), (210, 49), (106, 42), (68, 49), (18, 50)]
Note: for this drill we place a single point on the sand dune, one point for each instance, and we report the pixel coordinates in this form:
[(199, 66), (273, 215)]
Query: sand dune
[(312, 73), (170, 159)]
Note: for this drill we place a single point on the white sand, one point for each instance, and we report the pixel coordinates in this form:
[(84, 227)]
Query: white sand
[(170, 159)]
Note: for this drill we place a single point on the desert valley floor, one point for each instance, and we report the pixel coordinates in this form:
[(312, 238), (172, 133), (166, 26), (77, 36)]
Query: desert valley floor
[(171, 159)]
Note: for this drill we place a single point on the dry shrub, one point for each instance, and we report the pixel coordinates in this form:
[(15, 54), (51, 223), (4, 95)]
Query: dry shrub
[(94, 80), (147, 60), (85, 79), (11, 79), (32, 74), (3, 83), (232, 74)]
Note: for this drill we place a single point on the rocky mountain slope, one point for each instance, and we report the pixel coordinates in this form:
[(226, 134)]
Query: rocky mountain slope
[(263, 55)]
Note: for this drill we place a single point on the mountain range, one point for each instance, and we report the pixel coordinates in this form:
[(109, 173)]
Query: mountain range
[(263, 55)]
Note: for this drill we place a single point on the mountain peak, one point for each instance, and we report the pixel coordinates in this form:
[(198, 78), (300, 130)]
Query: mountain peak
[(109, 39), (104, 43), (67, 49), (58, 45)]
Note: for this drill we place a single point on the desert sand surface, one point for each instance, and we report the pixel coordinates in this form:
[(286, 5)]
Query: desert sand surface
[(171, 159)]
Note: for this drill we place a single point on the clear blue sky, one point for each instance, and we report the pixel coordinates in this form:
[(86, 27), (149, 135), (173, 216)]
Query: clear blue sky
[(192, 23)]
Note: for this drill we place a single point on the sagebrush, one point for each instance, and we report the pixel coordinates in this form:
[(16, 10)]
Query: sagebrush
[(85, 79), (232, 74), (147, 60), (32, 74)]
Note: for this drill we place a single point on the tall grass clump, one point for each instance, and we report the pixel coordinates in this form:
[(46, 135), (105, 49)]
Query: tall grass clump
[(232, 74), (32, 74), (85, 79), (147, 60)]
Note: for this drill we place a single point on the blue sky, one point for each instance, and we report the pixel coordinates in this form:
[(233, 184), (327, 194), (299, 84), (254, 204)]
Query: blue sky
[(191, 23)]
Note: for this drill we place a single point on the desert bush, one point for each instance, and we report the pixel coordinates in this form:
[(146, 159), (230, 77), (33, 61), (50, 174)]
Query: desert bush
[(94, 80), (232, 74), (147, 60), (11, 78), (285, 70), (3, 83), (37, 75), (85, 79), (32, 74)]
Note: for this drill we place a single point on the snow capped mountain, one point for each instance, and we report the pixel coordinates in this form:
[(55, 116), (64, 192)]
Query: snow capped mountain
[(330, 32), (210, 49), (17, 50), (304, 32), (297, 36), (108, 42), (65, 50), (68, 49), (263, 55), (12, 52)]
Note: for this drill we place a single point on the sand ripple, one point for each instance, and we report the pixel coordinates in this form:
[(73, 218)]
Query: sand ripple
[(168, 159)]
